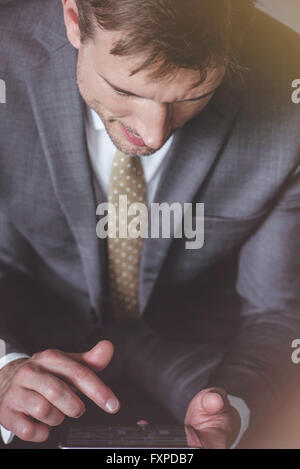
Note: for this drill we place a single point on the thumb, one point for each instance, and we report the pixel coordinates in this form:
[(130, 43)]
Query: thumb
[(98, 357), (213, 403)]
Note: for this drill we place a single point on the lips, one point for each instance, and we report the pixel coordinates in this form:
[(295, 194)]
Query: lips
[(132, 138)]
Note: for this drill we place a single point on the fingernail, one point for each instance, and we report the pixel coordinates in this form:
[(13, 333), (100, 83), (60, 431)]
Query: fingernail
[(212, 402), (112, 404), (79, 415)]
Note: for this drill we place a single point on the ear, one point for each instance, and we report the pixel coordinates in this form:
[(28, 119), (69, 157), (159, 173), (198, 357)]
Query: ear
[(72, 22)]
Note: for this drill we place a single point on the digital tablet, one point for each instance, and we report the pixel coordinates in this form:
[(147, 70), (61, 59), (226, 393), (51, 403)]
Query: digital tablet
[(132, 437)]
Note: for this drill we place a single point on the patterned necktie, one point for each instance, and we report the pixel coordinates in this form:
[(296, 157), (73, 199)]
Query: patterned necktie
[(124, 252)]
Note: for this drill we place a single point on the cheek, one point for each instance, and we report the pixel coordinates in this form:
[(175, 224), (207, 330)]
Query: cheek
[(114, 105)]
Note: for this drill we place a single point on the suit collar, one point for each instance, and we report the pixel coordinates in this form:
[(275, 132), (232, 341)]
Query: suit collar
[(50, 31)]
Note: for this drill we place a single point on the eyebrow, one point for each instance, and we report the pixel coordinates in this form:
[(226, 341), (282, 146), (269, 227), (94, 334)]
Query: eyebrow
[(129, 93)]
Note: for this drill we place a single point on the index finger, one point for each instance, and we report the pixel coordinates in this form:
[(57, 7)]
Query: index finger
[(80, 376)]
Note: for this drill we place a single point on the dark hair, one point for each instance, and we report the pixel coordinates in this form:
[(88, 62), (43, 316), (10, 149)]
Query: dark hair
[(190, 34)]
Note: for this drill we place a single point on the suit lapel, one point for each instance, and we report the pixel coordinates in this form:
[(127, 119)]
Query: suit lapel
[(59, 116), (195, 150)]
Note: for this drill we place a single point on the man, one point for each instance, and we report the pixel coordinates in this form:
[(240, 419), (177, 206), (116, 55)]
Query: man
[(185, 90)]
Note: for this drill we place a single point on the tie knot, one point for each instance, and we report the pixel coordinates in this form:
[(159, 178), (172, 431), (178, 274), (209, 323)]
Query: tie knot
[(127, 165)]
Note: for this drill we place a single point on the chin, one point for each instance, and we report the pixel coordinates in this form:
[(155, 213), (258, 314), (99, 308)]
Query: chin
[(134, 151)]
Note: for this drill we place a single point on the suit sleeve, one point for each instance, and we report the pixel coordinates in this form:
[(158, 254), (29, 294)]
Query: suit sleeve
[(26, 305), (18, 299), (258, 367), (14, 280)]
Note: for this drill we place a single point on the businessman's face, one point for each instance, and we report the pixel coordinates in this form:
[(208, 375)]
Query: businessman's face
[(139, 114)]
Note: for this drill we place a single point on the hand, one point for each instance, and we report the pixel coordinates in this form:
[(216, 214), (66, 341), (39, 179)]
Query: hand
[(212, 423), (37, 393)]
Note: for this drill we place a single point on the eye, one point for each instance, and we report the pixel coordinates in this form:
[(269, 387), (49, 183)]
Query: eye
[(120, 93)]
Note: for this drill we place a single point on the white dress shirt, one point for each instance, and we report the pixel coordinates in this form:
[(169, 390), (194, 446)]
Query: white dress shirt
[(101, 153)]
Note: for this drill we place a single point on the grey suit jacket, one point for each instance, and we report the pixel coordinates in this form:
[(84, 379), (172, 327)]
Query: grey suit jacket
[(222, 315)]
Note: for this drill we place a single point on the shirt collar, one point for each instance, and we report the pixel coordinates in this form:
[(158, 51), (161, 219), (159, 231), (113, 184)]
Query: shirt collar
[(95, 119)]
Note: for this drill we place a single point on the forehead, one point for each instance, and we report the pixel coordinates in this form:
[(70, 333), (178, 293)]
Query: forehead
[(117, 70)]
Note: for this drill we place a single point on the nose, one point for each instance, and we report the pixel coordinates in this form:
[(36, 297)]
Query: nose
[(154, 124)]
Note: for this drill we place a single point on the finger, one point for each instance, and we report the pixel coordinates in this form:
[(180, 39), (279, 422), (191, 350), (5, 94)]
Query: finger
[(52, 388), (81, 377), (214, 400), (24, 427), (213, 438), (193, 439), (213, 403), (35, 405), (98, 357)]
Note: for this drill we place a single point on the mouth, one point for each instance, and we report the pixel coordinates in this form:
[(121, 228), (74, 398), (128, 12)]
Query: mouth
[(132, 138)]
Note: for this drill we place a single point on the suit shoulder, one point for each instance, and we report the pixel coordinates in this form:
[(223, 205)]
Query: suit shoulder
[(29, 31)]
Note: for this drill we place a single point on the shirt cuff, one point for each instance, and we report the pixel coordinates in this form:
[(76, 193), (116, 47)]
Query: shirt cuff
[(244, 411), (7, 435)]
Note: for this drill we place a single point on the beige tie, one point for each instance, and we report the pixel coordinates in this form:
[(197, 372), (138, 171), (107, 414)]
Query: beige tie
[(124, 252)]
